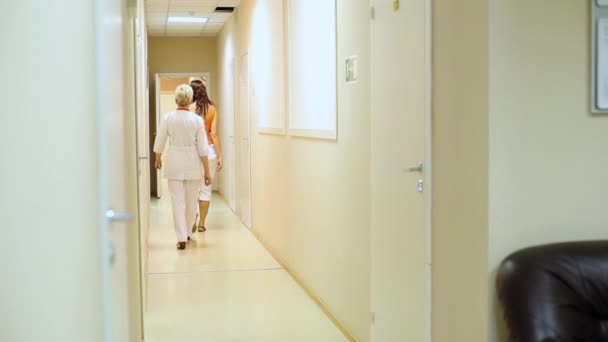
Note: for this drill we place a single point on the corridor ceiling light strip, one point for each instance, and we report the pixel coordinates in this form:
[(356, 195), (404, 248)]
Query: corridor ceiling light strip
[(187, 20)]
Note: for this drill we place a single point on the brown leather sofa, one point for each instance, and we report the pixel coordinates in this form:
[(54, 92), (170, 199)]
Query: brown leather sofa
[(556, 293)]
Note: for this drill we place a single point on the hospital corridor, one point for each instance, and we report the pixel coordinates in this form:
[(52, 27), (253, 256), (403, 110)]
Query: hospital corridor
[(303, 170)]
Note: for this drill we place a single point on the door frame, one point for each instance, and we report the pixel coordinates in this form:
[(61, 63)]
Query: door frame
[(157, 77), (244, 55), (231, 187), (429, 163)]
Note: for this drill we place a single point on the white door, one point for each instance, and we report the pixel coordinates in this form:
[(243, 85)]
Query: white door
[(243, 144), (114, 158), (400, 169)]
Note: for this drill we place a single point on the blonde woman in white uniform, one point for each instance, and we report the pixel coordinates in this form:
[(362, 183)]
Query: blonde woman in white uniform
[(188, 148)]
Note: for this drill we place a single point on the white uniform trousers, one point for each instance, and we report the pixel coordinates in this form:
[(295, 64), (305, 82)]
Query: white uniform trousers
[(183, 198)]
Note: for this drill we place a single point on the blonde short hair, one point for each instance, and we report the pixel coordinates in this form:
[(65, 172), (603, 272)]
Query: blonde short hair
[(184, 95)]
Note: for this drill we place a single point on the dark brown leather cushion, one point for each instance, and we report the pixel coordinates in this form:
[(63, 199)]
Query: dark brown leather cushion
[(556, 292)]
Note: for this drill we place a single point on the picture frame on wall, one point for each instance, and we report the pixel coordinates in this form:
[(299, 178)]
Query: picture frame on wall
[(599, 56)]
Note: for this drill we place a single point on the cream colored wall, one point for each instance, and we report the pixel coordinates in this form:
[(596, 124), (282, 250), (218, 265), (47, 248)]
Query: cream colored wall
[(177, 55), (50, 252), (311, 197), (548, 163), (460, 170)]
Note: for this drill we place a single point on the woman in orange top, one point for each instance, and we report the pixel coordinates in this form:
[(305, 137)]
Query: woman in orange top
[(206, 109)]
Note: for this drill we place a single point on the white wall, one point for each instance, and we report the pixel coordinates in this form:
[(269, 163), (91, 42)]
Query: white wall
[(311, 197), (49, 252), (548, 161)]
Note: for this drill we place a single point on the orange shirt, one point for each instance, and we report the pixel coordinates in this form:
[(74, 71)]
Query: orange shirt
[(211, 114)]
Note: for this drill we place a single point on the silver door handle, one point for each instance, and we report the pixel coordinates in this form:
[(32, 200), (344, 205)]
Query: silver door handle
[(419, 168), (118, 216)]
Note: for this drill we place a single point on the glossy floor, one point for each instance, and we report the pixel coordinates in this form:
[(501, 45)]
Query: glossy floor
[(224, 287)]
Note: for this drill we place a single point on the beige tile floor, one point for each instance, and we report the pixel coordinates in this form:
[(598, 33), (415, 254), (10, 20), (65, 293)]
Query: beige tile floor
[(225, 287)]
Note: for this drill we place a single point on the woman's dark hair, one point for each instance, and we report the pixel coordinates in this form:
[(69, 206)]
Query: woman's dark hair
[(201, 98)]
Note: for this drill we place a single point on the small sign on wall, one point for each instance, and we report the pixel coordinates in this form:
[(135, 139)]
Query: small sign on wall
[(351, 69)]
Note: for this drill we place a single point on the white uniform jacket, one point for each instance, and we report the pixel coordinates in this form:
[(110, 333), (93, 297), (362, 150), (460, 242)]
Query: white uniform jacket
[(187, 143)]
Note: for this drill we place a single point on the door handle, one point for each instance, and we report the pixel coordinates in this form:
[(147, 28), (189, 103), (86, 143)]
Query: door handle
[(419, 168), (118, 216)]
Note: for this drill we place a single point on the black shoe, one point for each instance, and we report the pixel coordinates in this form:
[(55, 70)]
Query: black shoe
[(181, 245)]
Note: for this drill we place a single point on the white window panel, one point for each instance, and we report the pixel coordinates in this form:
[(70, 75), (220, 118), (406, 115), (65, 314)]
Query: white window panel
[(312, 29)]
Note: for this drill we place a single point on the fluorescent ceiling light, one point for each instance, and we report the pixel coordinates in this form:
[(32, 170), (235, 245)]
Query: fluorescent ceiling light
[(187, 20)]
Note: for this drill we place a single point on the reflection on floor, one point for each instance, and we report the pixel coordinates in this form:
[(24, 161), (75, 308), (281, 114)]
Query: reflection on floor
[(224, 287)]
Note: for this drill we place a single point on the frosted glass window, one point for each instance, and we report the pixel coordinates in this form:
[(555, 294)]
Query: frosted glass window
[(312, 68), (268, 65)]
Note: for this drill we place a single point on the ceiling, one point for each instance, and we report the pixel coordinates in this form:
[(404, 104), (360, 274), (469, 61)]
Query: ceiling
[(157, 12)]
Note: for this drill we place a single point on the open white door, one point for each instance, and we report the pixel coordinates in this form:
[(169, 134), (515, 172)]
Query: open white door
[(243, 144), (400, 169), (116, 171)]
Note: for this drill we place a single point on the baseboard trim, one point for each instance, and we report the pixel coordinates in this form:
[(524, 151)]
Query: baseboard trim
[(296, 277)]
